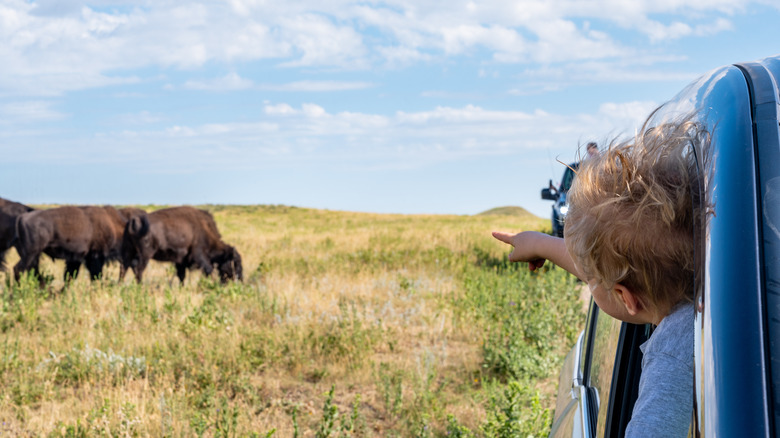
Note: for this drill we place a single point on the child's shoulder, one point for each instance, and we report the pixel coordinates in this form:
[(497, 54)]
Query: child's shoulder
[(674, 335)]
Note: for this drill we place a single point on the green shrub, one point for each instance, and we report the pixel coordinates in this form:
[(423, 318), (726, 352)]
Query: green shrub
[(517, 412)]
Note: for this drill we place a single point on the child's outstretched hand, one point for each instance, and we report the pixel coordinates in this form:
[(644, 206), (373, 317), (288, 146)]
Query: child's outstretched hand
[(525, 247)]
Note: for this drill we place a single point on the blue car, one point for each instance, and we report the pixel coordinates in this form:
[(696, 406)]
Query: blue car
[(737, 300)]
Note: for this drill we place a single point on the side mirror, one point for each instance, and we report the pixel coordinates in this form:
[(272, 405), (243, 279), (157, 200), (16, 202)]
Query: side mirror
[(550, 193)]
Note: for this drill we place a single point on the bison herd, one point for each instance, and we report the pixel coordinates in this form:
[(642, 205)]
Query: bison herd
[(94, 235)]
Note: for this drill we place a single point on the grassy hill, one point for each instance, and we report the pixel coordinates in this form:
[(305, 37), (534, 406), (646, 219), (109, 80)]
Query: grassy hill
[(510, 211), (347, 324)]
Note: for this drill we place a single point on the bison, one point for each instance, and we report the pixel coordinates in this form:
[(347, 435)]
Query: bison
[(87, 234), (186, 236), (9, 211)]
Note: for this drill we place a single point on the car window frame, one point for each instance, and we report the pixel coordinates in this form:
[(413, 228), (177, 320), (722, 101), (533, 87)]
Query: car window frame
[(730, 311), (624, 383), (607, 340)]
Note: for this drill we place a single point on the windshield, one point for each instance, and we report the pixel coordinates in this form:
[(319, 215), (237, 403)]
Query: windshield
[(568, 177)]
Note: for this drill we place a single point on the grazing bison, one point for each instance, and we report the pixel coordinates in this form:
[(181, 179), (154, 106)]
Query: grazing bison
[(87, 234), (9, 211), (186, 236)]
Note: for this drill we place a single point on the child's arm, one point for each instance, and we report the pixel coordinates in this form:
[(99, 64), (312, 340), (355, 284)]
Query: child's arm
[(534, 247)]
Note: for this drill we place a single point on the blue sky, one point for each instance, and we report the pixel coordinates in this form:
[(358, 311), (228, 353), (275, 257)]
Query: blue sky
[(382, 106)]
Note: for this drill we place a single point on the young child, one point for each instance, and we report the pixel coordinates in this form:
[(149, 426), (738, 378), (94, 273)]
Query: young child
[(629, 234)]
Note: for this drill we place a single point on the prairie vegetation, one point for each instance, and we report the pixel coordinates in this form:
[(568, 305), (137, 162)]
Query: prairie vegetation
[(347, 324)]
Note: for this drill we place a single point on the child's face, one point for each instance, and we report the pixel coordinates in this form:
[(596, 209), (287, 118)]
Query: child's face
[(611, 303), (608, 300)]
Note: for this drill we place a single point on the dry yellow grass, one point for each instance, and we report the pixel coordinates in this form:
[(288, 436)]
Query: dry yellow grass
[(376, 306)]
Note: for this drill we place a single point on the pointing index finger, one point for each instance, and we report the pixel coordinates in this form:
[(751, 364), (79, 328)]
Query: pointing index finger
[(504, 237)]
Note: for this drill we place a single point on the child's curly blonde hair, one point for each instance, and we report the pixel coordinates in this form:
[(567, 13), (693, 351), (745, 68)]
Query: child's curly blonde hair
[(633, 211)]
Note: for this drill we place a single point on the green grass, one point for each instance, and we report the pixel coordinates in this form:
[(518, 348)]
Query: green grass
[(347, 324)]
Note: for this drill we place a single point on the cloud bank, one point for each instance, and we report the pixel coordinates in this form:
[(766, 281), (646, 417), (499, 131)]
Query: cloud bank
[(51, 47)]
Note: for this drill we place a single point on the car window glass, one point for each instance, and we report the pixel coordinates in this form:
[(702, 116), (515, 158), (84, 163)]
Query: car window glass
[(605, 343), (568, 178)]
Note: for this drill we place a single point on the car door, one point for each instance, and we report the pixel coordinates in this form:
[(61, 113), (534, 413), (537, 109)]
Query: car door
[(598, 383), (615, 368), (574, 408)]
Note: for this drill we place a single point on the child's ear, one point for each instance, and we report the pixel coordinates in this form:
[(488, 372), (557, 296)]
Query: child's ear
[(630, 299)]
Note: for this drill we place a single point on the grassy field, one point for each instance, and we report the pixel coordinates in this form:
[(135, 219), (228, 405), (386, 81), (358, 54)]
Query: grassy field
[(346, 324)]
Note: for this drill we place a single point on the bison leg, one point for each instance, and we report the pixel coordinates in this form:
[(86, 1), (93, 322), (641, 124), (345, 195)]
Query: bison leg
[(203, 263), (71, 270), (95, 264), (181, 271), (2, 260), (139, 267), (122, 271), (28, 262), (238, 267), (234, 262)]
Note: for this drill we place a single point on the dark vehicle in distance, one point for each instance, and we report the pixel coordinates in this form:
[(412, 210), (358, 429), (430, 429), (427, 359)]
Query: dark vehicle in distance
[(560, 207), (737, 295)]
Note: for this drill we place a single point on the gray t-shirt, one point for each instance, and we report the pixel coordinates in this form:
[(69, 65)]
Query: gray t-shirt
[(664, 407)]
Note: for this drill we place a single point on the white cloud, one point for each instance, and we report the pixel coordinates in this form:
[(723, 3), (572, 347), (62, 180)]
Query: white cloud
[(280, 109), (464, 37), (322, 43), (29, 111), (629, 69), (313, 110), (399, 56), (229, 82), (140, 118), (317, 86), (48, 84), (627, 115), (661, 32), (467, 114), (719, 25), (234, 82)]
